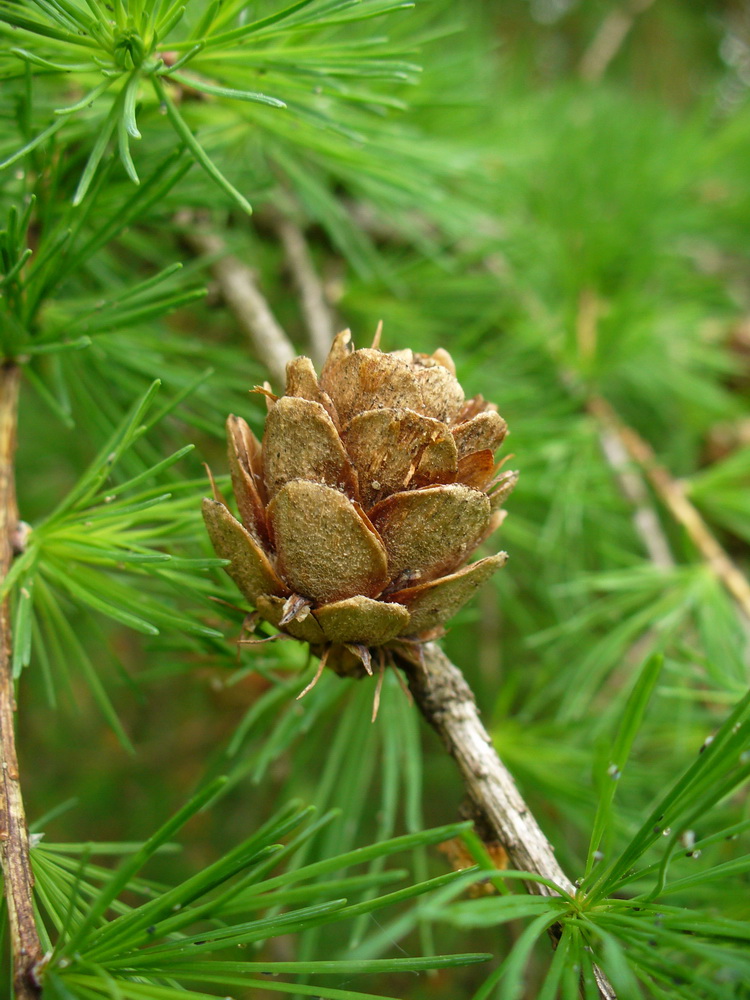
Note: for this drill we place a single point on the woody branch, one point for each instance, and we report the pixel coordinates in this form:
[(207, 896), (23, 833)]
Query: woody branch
[(448, 704), (14, 839)]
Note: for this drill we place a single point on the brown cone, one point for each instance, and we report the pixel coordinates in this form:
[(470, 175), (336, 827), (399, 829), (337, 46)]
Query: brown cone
[(361, 508)]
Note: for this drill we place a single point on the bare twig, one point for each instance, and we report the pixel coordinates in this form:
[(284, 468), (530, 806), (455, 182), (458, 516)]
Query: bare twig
[(315, 310), (672, 494), (447, 702), (14, 838), (645, 518), (633, 488), (609, 39), (241, 293)]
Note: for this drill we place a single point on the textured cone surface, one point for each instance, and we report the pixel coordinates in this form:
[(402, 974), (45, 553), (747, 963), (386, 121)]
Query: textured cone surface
[(370, 380), (432, 604), (442, 396), (302, 381), (437, 463), (428, 530), (325, 548), (301, 442), (476, 470), (362, 620), (371, 490), (388, 446), (249, 566), (244, 463), (484, 431)]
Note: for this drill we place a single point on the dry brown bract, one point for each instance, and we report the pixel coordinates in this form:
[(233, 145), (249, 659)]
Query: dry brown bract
[(360, 510)]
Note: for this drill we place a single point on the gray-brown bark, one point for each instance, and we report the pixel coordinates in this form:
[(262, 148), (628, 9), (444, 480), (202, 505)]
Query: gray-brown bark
[(447, 702), (240, 291), (315, 309)]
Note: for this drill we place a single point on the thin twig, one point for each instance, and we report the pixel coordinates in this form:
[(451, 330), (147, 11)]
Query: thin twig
[(315, 310), (609, 39), (447, 702), (645, 518), (241, 293), (672, 494), (14, 838)]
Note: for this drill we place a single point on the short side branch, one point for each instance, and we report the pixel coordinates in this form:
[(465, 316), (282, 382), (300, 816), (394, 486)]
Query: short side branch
[(631, 483), (447, 702), (241, 293), (645, 519), (315, 310), (14, 838), (672, 494)]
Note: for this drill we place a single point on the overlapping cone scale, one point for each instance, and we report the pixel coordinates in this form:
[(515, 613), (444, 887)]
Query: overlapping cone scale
[(359, 511)]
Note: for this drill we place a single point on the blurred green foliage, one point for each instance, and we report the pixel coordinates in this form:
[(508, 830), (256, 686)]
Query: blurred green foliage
[(554, 190)]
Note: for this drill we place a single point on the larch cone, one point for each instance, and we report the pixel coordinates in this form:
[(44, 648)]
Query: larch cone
[(360, 510)]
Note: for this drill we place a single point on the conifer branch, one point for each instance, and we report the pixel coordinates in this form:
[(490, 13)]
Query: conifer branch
[(241, 293), (14, 838), (672, 494), (448, 704)]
